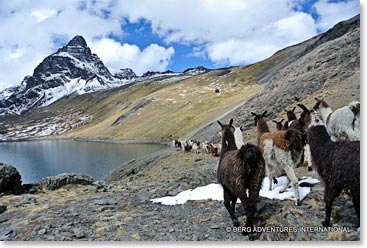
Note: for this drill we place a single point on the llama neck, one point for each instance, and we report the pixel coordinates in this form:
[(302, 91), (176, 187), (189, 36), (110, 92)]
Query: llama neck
[(319, 142), (228, 144), (262, 127), (325, 112)]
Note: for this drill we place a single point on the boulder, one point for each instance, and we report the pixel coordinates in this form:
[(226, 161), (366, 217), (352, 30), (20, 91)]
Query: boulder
[(55, 182), (10, 179)]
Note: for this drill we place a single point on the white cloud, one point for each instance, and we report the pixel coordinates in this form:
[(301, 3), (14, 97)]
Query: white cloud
[(117, 56), (227, 32), (331, 13), (287, 31), (43, 14)]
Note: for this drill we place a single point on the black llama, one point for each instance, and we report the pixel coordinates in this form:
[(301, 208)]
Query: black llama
[(240, 171)]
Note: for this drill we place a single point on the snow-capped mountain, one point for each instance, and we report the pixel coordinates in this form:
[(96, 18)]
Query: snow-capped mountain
[(196, 71), (127, 74), (73, 68)]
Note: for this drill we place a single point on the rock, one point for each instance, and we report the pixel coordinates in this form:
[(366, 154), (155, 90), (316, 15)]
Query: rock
[(10, 179), (55, 182), (28, 200), (78, 233), (2, 208), (198, 158), (42, 231)]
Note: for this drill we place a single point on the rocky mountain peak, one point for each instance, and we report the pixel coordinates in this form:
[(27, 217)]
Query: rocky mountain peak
[(125, 74), (78, 48), (73, 68)]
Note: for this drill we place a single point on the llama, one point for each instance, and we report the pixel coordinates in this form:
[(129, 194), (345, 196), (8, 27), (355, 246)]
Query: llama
[(186, 146), (279, 124), (195, 147), (205, 146), (293, 123), (277, 148), (261, 126), (343, 123), (240, 171), (215, 150), (337, 163)]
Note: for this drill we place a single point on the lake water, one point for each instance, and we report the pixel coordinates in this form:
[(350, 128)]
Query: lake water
[(37, 159)]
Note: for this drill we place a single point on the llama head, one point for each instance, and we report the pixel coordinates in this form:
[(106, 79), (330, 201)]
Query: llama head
[(310, 117), (320, 103), (290, 114), (227, 132), (258, 117), (279, 124)]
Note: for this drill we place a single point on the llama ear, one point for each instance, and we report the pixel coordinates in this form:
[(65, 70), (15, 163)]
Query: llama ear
[(253, 114), (293, 109), (231, 122), (242, 128), (316, 99), (275, 121), (220, 124), (303, 107), (265, 112), (281, 120)]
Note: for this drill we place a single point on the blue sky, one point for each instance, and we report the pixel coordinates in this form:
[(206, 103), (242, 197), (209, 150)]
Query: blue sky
[(160, 35)]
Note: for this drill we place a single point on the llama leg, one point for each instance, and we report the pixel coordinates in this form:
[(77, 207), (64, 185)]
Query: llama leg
[(250, 214), (356, 204), (289, 170), (329, 197), (285, 187), (308, 157), (233, 204), (228, 197)]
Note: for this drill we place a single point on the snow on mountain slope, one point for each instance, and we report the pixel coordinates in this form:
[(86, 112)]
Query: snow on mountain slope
[(73, 68)]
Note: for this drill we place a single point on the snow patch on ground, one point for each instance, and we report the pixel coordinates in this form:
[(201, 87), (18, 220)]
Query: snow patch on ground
[(215, 192)]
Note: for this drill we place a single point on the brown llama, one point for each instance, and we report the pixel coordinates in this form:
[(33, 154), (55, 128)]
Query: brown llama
[(294, 123), (279, 149), (261, 125), (240, 171)]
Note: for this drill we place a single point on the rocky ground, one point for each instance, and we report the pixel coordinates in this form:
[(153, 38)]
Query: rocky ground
[(119, 208)]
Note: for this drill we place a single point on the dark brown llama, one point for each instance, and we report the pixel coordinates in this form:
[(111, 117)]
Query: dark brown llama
[(338, 163), (279, 124), (240, 171)]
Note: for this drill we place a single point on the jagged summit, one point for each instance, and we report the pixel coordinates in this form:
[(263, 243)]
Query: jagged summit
[(197, 70), (76, 47), (76, 41), (127, 74)]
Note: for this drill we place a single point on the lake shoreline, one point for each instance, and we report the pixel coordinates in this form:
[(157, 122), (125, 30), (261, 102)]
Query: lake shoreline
[(159, 142), (113, 154)]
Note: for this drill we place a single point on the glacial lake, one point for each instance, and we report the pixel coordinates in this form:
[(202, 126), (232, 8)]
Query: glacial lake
[(38, 159)]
